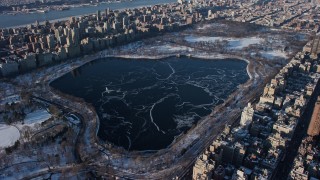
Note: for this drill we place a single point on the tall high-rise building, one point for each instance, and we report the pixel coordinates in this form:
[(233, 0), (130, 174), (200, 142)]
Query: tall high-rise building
[(50, 41), (219, 173), (247, 115), (227, 152), (125, 22), (75, 36), (202, 170), (107, 11), (314, 125), (72, 20), (69, 40), (181, 1), (315, 47), (209, 14), (106, 26), (98, 15), (239, 154)]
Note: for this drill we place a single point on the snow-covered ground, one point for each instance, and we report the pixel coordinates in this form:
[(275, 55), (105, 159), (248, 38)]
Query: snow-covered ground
[(213, 25), (37, 116), (274, 54), (243, 42), (206, 26), (194, 39), (8, 135), (168, 47), (233, 43), (10, 99)]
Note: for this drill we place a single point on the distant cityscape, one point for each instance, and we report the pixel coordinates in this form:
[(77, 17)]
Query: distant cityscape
[(273, 122), (25, 3), (41, 44)]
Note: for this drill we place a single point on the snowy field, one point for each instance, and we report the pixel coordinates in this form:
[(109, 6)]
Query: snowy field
[(213, 25), (172, 48), (8, 135), (274, 54), (37, 116), (194, 39), (233, 43)]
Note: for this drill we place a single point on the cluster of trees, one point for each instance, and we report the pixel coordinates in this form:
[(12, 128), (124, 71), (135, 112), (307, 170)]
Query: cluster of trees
[(13, 113), (25, 96), (51, 134), (55, 111), (10, 149), (231, 29)]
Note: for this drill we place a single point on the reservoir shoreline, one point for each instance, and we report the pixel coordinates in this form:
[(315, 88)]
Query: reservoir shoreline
[(200, 60)]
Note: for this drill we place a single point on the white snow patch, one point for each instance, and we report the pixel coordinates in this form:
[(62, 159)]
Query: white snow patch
[(37, 116), (10, 99), (206, 26), (194, 39), (8, 135), (173, 48), (274, 54), (184, 121), (213, 25), (233, 43), (244, 42)]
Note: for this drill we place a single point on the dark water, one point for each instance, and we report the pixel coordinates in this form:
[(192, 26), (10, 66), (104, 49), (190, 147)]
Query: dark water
[(143, 104), (22, 19)]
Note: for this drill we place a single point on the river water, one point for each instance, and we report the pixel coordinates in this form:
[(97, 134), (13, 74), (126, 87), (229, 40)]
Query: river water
[(23, 19), (144, 104)]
